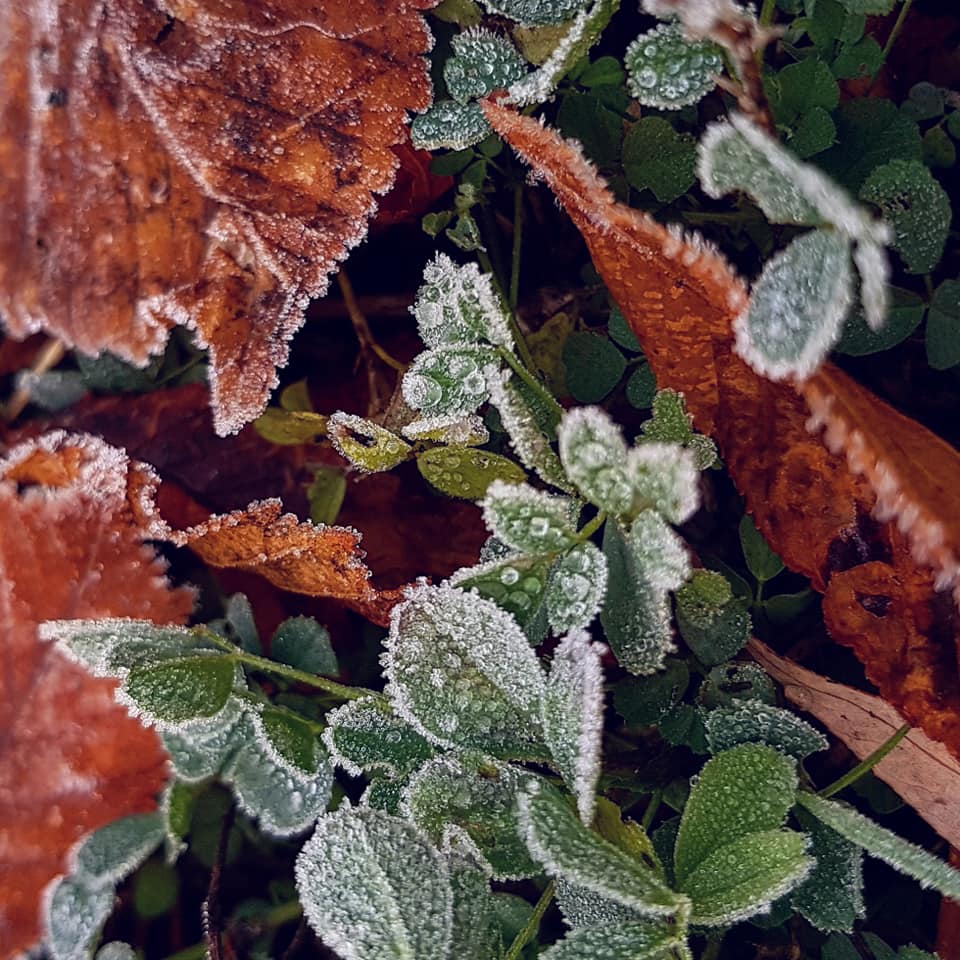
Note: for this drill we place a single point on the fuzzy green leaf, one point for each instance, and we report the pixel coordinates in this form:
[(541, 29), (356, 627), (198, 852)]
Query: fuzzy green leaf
[(516, 583), (577, 588), (113, 852), (73, 916), (529, 520), (447, 380), (631, 940), (287, 739), (730, 683), (713, 624), (198, 749), (594, 455)]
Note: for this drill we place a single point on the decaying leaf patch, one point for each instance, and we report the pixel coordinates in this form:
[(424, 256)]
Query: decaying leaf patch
[(202, 164), (681, 297)]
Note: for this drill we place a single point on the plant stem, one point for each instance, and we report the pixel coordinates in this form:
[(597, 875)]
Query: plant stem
[(520, 370), (277, 916), (517, 243), (651, 810), (865, 765), (897, 27), (592, 527), (533, 924), (766, 12)]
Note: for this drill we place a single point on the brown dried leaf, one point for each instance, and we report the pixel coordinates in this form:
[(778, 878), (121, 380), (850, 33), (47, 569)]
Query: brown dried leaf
[(921, 770), (204, 164), (681, 297), (71, 759)]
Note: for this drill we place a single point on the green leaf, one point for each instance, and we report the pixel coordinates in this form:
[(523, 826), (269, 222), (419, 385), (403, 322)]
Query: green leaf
[(374, 888), (925, 102), (904, 316), (366, 444), (483, 61), (287, 739), (594, 455), (641, 387), (571, 711), (384, 794), (583, 117), (447, 380), (198, 749), (917, 206), (800, 88), (763, 563), (605, 71), (466, 472), (242, 626), (630, 940), (73, 916), (576, 588), (365, 735), (797, 306), (713, 624), (176, 808), (938, 149), (461, 672), (290, 428), (620, 331), (868, 7), (734, 682), (529, 520), (746, 790), (325, 494), (476, 927), (113, 852), (839, 947), (858, 60), (155, 891), (516, 583), (536, 12), (469, 803), (668, 71), (943, 326), (814, 133), (593, 366), (745, 876), (303, 643), (175, 692), (658, 158), (567, 849), (642, 701), (750, 722), (928, 870), (449, 124), (683, 727), (671, 423), (584, 908)]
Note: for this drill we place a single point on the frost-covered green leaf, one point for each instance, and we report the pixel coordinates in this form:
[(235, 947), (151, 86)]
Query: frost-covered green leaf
[(199, 749), (482, 61), (730, 683), (365, 735), (284, 799), (176, 808), (116, 950), (746, 790), (384, 794), (745, 876), (242, 628), (641, 387), (113, 852), (750, 722), (366, 444), (536, 12), (373, 887), (286, 738), (469, 802), (571, 712), (593, 366), (582, 907), (644, 700), (797, 306), (51, 390), (831, 898), (763, 563), (529, 520), (917, 206), (468, 431), (668, 71), (630, 940), (943, 326), (73, 916), (664, 478), (461, 671), (713, 624), (517, 583), (476, 931), (303, 643), (456, 304), (660, 556), (466, 472), (671, 423), (908, 858), (170, 694), (449, 124), (447, 380), (577, 588), (594, 455), (657, 157)]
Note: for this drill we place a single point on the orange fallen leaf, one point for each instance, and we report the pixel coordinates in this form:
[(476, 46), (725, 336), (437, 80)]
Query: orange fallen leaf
[(71, 760), (681, 297), (202, 164)]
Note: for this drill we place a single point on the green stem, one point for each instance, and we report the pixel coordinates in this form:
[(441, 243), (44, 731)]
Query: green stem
[(517, 243), (277, 916), (766, 12), (533, 924), (522, 372), (592, 527), (865, 765), (339, 690), (651, 811), (897, 27)]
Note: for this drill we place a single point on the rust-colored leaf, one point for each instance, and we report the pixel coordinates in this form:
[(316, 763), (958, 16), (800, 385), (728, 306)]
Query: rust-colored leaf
[(71, 759), (680, 297), (205, 164)]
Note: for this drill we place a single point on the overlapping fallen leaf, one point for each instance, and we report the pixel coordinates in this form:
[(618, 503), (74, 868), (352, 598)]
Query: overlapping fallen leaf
[(197, 164), (680, 297), (71, 759)]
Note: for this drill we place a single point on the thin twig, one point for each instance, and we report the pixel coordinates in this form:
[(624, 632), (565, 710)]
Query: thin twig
[(49, 355), (211, 910), (533, 924), (867, 764)]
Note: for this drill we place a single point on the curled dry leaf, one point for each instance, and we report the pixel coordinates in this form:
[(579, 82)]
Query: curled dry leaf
[(680, 297), (922, 771), (204, 164), (71, 760)]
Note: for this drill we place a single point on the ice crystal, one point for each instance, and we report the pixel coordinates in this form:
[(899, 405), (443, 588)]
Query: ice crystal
[(116, 950), (576, 588), (468, 431), (456, 305), (476, 930), (365, 735), (668, 71), (536, 12), (594, 455), (449, 124), (198, 750), (582, 907), (469, 802), (664, 476), (460, 671), (572, 715), (517, 583), (752, 722), (377, 449), (374, 888), (116, 850), (627, 940), (529, 520), (483, 61), (447, 380), (73, 916)]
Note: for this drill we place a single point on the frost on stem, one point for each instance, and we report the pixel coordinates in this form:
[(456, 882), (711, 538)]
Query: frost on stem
[(447, 381), (529, 520), (576, 588), (368, 446), (482, 61)]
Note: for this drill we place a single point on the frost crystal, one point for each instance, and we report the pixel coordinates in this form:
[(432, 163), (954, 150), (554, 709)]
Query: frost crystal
[(483, 61), (672, 424), (667, 71), (449, 124), (116, 850), (456, 305), (469, 431), (627, 940), (374, 888), (365, 735), (594, 455), (461, 672), (664, 476), (447, 381), (198, 751), (73, 916), (752, 722), (583, 908), (378, 450), (536, 12), (797, 307), (572, 715), (529, 520), (516, 583), (577, 588), (469, 802)]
